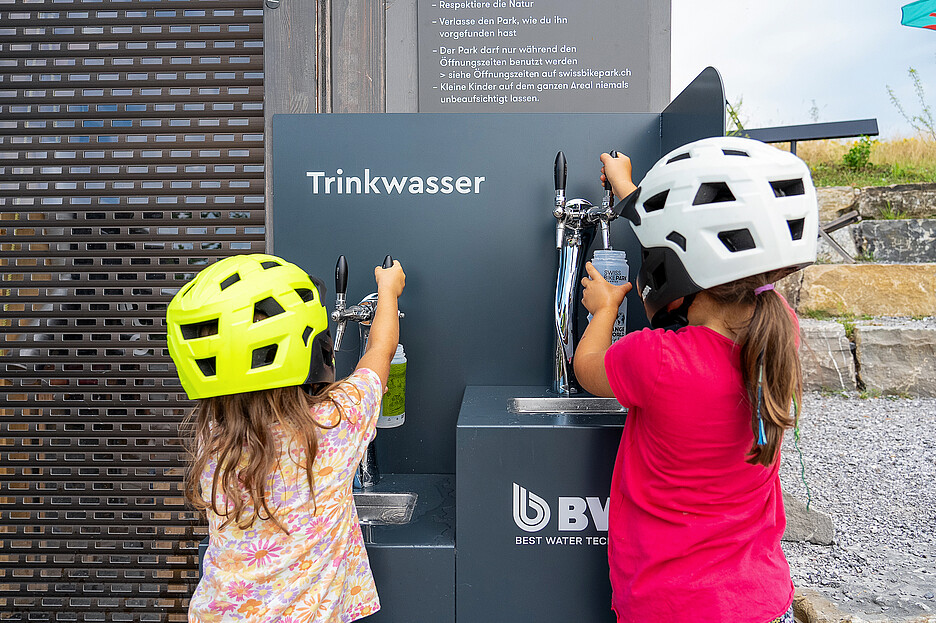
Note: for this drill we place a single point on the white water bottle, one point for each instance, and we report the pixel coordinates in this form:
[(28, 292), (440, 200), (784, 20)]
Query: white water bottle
[(393, 405), (612, 265)]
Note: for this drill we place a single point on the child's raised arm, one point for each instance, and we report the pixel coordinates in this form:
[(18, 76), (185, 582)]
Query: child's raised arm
[(602, 300), (385, 327)]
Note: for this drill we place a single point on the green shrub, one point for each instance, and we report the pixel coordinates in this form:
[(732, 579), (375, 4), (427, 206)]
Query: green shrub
[(859, 154)]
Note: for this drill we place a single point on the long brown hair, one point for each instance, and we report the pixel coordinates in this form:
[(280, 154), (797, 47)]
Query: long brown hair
[(237, 432), (768, 339)]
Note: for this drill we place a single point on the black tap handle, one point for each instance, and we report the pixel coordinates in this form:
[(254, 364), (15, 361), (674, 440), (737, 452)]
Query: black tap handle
[(341, 275), (387, 262), (607, 184), (561, 171)]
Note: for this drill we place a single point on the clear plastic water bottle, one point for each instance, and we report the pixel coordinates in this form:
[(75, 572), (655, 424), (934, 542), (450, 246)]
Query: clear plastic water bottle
[(612, 264), (393, 406)]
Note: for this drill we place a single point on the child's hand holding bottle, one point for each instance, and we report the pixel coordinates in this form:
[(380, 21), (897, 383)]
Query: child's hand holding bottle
[(598, 295), (602, 300)]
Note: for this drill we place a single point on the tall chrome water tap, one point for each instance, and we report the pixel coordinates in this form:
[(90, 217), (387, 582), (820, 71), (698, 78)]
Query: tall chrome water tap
[(576, 220), (368, 474), (607, 213)]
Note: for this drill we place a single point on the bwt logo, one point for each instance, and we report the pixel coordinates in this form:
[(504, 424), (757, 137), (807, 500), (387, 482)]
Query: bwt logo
[(531, 513)]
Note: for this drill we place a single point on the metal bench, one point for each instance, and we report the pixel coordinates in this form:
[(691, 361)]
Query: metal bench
[(812, 132)]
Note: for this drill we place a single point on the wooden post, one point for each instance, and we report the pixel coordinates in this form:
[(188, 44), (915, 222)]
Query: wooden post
[(358, 30)]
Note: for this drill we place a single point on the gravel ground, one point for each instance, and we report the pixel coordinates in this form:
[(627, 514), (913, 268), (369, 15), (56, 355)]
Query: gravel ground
[(870, 464)]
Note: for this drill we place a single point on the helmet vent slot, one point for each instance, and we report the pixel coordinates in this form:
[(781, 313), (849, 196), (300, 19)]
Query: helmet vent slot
[(305, 294), (306, 335), (713, 192), (199, 329), (684, 156), (787, 188), (263, 356), (266, 308), (735, 152), (796, 228), (269, 264), (678, 238), (737, 240), (207, 366), (227, 283), (656, 202)]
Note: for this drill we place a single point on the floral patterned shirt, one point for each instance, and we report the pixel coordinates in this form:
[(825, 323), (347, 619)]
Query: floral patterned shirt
[(319, 571)]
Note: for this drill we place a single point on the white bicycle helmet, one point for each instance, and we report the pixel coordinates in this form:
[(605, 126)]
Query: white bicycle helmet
[(717, 210)]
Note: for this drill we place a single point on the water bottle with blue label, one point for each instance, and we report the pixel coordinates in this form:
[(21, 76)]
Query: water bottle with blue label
[(612, 264)]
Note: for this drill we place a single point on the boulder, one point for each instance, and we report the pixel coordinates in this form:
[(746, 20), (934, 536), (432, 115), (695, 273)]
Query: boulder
[(845, 237), (789, 287), (826, 357), (898, 357), (901, 240), (864, 289), (834, 201), (909, 200), (806, 525), (810, 606)]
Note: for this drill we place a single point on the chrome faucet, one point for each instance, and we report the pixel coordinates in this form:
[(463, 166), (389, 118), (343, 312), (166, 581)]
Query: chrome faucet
[(367, 474), (576, 220)]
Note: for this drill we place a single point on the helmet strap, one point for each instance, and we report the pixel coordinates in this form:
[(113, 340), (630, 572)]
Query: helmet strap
[(673, 319), (322, 364)]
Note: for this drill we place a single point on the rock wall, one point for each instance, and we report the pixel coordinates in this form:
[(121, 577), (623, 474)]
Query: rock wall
[(909, 200)]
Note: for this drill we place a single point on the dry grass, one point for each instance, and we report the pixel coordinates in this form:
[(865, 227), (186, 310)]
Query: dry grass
[(893, 161), (915, 152)]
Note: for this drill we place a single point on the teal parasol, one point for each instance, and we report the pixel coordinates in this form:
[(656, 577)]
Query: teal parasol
[(920, 14)]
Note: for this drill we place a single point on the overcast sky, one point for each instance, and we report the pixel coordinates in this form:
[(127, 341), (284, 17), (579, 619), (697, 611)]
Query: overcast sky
[(785, 57)]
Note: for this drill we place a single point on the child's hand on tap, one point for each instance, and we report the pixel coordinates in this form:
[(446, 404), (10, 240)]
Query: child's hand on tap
[(618, 169)]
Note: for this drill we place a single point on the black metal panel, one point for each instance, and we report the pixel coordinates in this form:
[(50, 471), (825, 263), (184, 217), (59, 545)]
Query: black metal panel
[(814, 131), (481, 266), (697, 112), (131, 156), (509, 568)]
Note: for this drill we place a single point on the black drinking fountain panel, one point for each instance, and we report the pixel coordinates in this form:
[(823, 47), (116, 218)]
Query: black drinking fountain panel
[(478, 404)]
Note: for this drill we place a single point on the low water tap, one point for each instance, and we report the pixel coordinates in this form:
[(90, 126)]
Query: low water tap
[(368, 474)]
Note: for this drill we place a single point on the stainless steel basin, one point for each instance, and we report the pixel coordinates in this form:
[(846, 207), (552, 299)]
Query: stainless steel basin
[(378, 508), (584, 406)]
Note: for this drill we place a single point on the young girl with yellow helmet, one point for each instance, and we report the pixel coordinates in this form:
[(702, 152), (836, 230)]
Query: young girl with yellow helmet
[(276, 440)]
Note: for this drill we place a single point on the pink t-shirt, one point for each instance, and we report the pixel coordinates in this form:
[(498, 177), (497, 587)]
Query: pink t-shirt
[(694, 530)]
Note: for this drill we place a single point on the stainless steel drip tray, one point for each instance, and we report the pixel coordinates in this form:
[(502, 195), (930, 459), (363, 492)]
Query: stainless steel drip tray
[(583, 406), (378, 508)]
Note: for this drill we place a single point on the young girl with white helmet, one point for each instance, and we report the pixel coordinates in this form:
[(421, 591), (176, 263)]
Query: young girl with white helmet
[(276, 440), (696, 512)]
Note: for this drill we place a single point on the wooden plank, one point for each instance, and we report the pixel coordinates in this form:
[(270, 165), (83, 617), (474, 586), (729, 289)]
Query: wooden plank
[(357, 55), (291, 69), (402, 94)]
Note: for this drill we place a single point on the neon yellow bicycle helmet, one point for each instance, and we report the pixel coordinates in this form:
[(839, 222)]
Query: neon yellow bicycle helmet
[(249, 323)]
